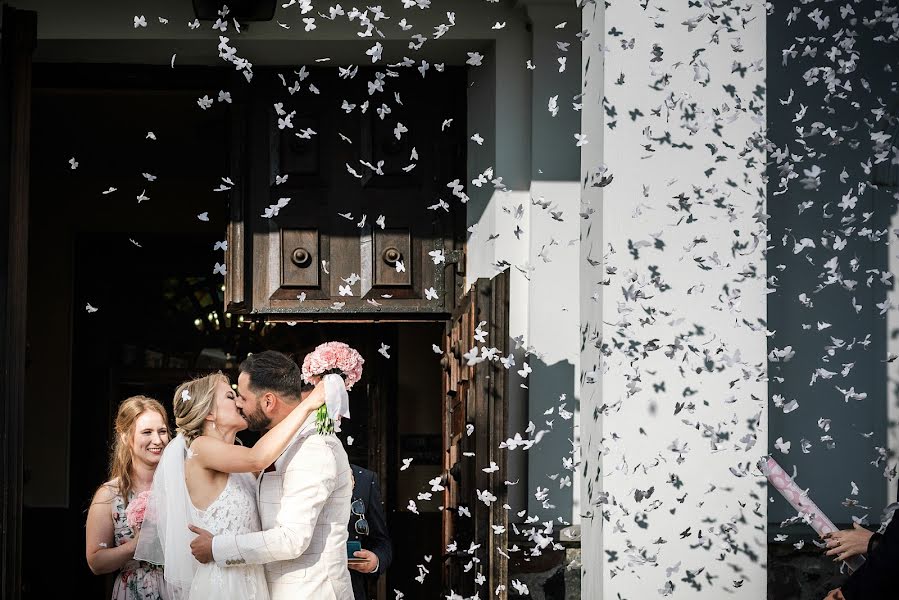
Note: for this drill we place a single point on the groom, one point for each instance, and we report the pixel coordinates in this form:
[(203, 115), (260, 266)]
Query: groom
[(304, 497)]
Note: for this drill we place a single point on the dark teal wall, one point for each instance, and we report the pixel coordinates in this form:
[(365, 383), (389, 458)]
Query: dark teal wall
[(858, 427)]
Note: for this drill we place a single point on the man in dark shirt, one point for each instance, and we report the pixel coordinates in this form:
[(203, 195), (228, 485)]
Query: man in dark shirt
[(368, 526)]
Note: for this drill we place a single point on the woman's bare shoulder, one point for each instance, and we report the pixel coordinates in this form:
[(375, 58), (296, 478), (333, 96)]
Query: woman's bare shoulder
[(201, 447), (201, 442), (107, 492)]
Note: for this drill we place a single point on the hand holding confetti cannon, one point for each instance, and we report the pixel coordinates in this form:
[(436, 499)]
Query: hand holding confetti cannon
[(800, 501)]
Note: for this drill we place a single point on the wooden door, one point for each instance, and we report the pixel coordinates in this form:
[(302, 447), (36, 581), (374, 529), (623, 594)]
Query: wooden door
[(19, 30), (474, 424), (341, 207)]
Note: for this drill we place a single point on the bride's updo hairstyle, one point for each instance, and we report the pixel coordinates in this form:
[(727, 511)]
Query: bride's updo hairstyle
[(193, 402)]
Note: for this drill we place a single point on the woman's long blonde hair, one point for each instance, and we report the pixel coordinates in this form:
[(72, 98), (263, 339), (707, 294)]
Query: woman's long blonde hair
[(122, 455), (192, 408)]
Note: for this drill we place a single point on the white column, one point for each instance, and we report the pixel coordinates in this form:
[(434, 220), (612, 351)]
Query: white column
[(887, 179), (672, 295), (590, 274)]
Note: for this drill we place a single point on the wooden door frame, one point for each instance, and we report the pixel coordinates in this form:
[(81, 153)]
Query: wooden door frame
[(489, 386), (482, 392), (455, 377), (19, 40)]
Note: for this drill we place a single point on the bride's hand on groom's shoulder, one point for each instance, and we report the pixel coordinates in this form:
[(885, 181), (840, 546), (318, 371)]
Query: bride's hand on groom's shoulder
[(315, 398), (201, 546)]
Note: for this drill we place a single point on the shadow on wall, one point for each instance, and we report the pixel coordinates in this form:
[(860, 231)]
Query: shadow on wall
[(551, 408), (548, 466)]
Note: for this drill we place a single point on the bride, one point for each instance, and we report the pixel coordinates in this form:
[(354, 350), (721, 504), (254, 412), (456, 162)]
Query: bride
[(205, 479)]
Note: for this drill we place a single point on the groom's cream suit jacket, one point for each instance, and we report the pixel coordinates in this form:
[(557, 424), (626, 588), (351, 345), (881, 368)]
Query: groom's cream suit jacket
[(304, 508)]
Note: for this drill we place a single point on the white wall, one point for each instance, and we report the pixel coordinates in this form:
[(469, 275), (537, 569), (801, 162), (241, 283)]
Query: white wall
[(535, 155), (684, 329), (553, 333), (590, 296), (892, 341)]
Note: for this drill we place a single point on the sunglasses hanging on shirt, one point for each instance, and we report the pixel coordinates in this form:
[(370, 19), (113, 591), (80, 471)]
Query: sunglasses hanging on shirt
[(358, 508)]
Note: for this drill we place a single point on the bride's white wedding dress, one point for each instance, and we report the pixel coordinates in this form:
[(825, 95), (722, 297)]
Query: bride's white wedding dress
[(233, 511), (165, 537)]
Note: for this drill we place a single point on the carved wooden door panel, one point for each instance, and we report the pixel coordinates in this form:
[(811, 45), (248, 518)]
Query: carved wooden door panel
[(474, 424), (344, 207)]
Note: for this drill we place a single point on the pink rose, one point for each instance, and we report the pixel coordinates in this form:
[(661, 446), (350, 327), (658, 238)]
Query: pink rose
[(136, 510), (330, 356)]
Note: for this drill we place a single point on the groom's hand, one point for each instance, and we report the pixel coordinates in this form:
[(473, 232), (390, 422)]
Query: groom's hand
[(201, 546), (370, 564)]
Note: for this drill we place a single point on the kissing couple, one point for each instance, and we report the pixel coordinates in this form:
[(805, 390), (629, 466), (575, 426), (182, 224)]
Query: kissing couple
[(233, 522)]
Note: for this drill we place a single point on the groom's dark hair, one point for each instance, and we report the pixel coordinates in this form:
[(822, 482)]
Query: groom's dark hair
[(272, 371)]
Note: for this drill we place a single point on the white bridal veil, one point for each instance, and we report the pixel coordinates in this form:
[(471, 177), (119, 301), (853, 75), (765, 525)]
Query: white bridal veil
[(164, 537)]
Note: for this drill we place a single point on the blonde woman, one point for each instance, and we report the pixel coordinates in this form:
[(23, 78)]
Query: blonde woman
[(141, 434), (205, 479)]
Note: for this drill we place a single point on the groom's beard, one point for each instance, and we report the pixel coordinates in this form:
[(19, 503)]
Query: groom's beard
[(257, 420)]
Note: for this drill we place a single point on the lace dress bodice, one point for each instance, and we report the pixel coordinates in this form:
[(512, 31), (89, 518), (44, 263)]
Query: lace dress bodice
[(234, 511)]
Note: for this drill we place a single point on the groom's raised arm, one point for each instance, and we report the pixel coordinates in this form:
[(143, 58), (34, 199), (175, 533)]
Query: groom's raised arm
[(309, 478)]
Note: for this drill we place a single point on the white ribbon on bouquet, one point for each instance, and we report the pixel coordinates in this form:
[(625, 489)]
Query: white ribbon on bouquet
[(336, 399)]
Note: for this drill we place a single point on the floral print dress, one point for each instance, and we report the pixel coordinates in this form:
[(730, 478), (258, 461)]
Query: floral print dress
[(136, 580)]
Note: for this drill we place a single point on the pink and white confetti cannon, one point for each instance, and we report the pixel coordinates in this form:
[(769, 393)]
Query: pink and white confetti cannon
[(802, 503)]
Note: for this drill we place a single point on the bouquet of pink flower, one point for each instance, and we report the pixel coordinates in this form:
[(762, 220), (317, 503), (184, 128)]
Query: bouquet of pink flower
[(333, 358), (137, 509)]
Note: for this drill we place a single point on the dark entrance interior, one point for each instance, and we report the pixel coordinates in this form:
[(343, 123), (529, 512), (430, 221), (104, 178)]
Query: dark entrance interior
[(181, 332), (147, 267)]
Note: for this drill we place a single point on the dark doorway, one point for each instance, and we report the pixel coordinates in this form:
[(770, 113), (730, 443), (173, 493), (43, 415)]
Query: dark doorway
[(93, 242)]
